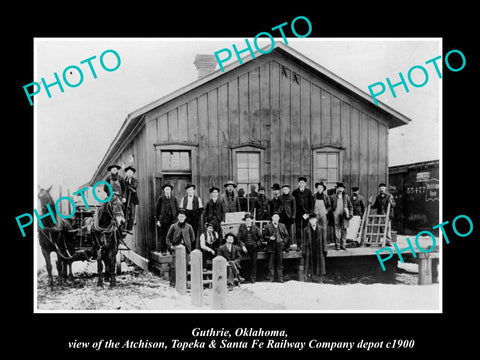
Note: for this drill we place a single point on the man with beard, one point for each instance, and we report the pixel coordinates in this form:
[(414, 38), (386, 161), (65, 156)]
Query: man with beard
[(314, 249), (166, 212), (232, 204), (342, 210), (117, 182), (381, 204), (262, 205), (249, 238)]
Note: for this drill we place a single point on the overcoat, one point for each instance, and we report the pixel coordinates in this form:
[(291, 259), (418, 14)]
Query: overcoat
[(344, 220), (314, 250), (381, 203), (174, 239), (131, 190)]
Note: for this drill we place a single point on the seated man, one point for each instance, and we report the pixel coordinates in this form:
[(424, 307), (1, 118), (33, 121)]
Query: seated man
[(209, 242), (232, 254)]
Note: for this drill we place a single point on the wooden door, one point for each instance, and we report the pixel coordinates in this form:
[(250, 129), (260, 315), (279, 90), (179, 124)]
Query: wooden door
[(177, 181)]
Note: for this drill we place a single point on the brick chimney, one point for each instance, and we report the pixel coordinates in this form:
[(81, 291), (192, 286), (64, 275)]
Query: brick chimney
[(205, 64)]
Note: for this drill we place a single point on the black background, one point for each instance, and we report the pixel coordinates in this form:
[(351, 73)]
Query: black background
[(48, 334)]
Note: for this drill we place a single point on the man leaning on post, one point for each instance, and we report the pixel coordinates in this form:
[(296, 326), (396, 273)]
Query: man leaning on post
[(180, 233)]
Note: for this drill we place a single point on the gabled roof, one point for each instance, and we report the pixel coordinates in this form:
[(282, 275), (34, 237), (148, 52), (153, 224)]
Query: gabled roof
[(133, 119)]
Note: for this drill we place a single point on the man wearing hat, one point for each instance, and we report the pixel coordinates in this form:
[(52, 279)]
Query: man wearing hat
[(304, 205), (166, 212), (314, 249), (262, 205), (250, 238), (179, 233), (131, 194), (193, 206), (209, 243), (289, 209), (232, 204), (215, 209), (342, 210), (381, 204), (321, 206), (358, 202), (117, 182), (277, 238), (276, 204), (231, 253)]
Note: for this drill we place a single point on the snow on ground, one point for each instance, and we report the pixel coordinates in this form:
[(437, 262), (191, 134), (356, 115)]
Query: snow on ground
[(140, 290)]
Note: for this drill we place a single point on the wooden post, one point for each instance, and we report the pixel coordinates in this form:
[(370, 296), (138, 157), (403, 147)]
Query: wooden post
[(424, 269), (219, 297), (180, 270), (196, 277)]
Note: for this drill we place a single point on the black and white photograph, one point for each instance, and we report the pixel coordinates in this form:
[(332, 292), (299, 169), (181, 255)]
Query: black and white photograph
[(271, 174)]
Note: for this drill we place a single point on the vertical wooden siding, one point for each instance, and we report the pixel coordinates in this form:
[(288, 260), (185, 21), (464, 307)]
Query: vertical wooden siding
[(274, 105)]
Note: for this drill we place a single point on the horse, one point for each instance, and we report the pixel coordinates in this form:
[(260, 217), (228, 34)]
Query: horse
[(55, 237), (106, 236)]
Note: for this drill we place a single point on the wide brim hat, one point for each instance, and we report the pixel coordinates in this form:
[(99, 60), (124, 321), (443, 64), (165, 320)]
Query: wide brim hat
[(114, 166), (169, 185), (213, 188), (247, 216), (320, 183), (130, 168), (230, 182), (276, 186), (189, 186)]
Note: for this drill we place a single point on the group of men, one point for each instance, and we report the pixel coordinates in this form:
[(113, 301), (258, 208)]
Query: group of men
[(300, 214)]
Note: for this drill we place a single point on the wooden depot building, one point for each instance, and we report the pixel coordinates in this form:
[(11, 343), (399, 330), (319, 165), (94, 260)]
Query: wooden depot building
[(268, 120)]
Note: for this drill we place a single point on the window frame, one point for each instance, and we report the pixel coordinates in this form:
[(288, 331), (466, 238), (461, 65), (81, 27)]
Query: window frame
[(327, 149)]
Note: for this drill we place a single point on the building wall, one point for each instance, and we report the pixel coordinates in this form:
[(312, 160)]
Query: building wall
[(272, 104)]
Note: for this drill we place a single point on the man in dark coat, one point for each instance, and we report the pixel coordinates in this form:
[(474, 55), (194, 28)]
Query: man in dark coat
[(131, 184), (232, 204), (117, 182), (262, 205), (289, 209), (249, 238), (232, 254), (342, 211), (276, 236), (314, 249), (215, 209), (252, 198), (358, 202), (193, 206), (179, 233), (381, 204), (166, 212), (276, 204), (304, 205), (322, 206)]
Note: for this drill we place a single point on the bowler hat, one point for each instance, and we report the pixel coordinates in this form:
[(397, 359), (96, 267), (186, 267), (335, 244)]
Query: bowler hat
[(213, 188), (275, 213), (340, 185), (261, 187), (354, 188), (382, 184), (312, 215), (285, 185), (181, 211), (230, 234), (320, 183), (130, 167), (247, 216), (189, 186), (302, 178), (114, 165), (276, 186), (169, 185), (230, 182)]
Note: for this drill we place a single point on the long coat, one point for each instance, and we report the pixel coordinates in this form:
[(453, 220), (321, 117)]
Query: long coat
[(288, 206), (232, 203), (344, 220), (262, 208), (303, 202), (314, 250), (131, 190), (269, 231), (215, 211), (173, 236), (163, 213), (358, 203)]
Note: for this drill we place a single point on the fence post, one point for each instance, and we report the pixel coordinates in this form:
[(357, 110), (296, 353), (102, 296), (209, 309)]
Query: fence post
[(219, 297), (196, 277), (180, 270)]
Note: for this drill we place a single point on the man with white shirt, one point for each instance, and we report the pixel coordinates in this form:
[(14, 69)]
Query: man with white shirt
[(193, 206), (314, 249)]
